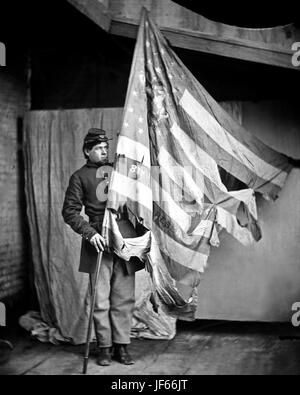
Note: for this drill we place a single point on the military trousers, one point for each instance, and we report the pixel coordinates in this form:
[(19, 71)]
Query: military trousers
[(115, 299)]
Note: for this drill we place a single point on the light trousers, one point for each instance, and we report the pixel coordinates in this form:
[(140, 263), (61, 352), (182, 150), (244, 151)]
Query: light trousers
[(115, 298)]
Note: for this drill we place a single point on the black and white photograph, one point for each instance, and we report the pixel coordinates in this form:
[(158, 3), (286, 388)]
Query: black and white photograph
[(149, 191)]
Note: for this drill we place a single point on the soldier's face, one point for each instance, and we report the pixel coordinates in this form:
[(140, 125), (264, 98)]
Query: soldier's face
[(99, 153)]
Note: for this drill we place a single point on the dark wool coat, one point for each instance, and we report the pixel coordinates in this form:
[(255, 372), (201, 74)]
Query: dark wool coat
[(82, 191)]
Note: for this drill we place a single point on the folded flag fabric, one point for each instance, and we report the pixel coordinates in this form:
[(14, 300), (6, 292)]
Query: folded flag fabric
[(184, 170)]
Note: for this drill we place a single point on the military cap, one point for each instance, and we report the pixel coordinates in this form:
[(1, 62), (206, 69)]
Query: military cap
[(95, 136)]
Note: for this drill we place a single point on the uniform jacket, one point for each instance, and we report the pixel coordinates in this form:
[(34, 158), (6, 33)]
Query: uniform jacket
[(88, 188)]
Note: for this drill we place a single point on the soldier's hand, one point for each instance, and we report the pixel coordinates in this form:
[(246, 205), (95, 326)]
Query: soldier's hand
[(98, 242)]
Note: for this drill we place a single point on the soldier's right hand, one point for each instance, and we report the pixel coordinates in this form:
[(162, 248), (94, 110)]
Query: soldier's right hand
[(98, 242)]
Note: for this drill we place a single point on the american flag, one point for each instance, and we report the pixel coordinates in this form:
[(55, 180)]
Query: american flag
[(177, 153)]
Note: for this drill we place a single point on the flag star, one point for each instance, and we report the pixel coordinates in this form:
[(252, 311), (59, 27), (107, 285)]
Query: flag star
[(147, 24), (130, 109), (158, 70), (162, 51), (134, 93), (140, 131), (150, 62), (147, 44), (126, 124), (170, 76), (141, 119)]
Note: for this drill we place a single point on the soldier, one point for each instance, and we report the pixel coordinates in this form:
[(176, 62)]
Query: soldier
[(115, 292)]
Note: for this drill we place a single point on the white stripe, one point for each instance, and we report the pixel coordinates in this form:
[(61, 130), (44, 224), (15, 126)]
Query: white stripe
[(227, 142), (192, 259), (199, 158), (166, 202), (229, 222), (133, 150), (178, 215), (180, 175), (131, 189), (207, 166)]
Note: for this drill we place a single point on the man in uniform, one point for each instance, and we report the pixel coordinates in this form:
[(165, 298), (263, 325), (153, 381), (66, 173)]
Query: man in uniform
[(115, 292)]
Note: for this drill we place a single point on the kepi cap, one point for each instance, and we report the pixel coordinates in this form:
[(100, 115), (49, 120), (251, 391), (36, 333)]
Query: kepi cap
[(95, 135)]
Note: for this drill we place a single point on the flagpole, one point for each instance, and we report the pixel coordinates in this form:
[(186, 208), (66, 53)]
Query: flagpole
[(93, 301)]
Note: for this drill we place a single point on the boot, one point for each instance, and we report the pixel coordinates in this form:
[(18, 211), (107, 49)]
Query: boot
[(104, 356), (121, 354)]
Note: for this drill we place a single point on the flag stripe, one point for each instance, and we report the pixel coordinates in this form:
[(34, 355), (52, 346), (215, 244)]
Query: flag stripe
[(177, 191), (133, 150), (137, 209), (178, 293), (224, 139), (229, 201), (224, 219), (237, 131), (198, 157), (131, 189), (180, 175), (133, 170), (179, 271), (226, 161), (185, 279), (183, 220), (168, 226), (170, 200), (191, 259), (208, 167)]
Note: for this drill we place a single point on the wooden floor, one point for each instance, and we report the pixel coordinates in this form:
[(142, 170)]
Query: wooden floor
[(201, 347)]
